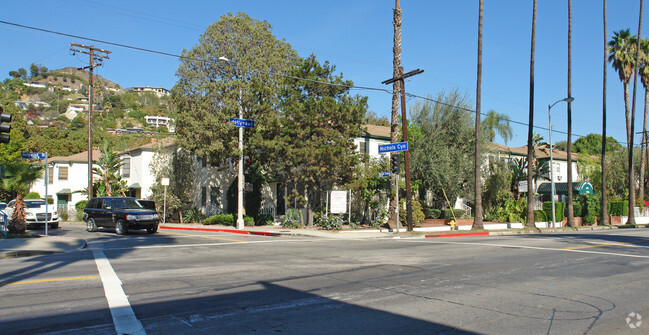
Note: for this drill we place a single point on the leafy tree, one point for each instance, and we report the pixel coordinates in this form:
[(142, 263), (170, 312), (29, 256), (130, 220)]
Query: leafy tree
[(441, 145), (77, 123), (369, 189), (18, 178), (311, 142), (175, 164), (494, 123), (591, 144), (499, 184), (108, 170), (211, 90), (373, 119)]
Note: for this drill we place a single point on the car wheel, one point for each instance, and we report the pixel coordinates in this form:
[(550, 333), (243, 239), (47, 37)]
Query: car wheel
[(91, 226), (54, 225), (120, 227), (152, 229)]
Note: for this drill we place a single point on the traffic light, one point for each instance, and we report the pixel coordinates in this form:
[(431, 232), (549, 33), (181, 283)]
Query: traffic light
[(395, 163), (247, 164), (5, 127)]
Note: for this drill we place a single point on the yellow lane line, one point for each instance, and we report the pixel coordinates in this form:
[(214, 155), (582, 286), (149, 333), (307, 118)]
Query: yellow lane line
[(37, 281), (203, 236), (605, 245)]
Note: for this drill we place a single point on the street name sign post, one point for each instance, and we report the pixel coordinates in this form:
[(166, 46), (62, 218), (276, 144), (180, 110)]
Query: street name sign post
[(391, 147), (243, 123), (40, 155), (385, 174)]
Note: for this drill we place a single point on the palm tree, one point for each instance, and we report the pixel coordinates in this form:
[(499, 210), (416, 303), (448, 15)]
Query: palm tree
[(108, 169), (621, 52), (530, 144), (631, 218), (643, 70), (477, 218), (604, 204), (494, 123), (394, 127), (19, 177), (571, 216)]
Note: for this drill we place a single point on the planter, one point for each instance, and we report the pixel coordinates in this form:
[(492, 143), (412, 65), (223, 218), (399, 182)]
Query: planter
[(615, 220)]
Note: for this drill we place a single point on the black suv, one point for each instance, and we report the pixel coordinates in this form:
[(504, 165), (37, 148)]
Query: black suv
[(123, 213)]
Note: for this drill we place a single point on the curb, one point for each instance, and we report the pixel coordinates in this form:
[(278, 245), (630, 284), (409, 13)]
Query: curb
[(458, 235), (233, 231)]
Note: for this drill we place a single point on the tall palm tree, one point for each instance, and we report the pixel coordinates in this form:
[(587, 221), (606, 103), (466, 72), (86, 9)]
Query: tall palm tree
[(477, 218), (631, 218), (643, 71), (495, 122), (604, 204), (394, 127), (571, 216), (19, 177), (530, 135)]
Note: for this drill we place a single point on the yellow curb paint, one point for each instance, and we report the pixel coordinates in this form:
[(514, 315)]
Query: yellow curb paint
[(37, 281)]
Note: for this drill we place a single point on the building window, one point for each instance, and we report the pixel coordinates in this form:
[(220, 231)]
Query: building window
[(362, 147), (63, 173), (204, 162), (50, 175), (214, 195), (126, 167), (203, 196)]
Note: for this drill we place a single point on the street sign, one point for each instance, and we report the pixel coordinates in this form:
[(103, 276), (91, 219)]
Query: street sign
[(243, 123), (401, 146), (384, 174), (338, 202), (164, 181), (33, 155)]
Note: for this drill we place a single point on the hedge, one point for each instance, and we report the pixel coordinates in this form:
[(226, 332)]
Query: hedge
[(618, 208), (559, 208)]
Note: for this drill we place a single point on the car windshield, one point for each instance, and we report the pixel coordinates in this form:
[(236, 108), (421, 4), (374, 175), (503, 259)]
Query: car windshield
[(125, 203), (34, 203)]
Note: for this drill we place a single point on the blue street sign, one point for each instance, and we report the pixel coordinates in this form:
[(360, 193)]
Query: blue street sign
[(401, 146), (243, 123), (384, 174), (33, 155)]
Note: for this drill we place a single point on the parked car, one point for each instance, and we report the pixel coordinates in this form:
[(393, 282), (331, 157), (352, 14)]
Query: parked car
[(121, 213), (35, 213)]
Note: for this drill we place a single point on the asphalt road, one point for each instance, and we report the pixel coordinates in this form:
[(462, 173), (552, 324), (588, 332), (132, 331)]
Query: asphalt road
[(216, 283)]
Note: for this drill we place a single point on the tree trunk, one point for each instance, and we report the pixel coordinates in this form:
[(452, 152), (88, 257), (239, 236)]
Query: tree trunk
[(477, 218), (643, 149), (571, 215), (604, 217), (530, 134), (394, 129), (17, 222), (631, 219)]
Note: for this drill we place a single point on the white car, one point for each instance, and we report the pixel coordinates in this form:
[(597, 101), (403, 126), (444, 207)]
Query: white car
[(35, 213)]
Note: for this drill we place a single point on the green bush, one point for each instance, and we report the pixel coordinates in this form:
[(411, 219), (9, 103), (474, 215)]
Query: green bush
[(220, 219), (264, 220), (591, 207), (193, 216), (32, 195), (576, 208), (331, 222), (248, 221), (417, 214), (618, 208), (448, 213), (79, 206), (432, 213), (540, 216), (559, 209), (292, 219)]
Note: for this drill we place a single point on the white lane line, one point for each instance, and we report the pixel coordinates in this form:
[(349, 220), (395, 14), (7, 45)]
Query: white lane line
[(123, 316), (534, 248)]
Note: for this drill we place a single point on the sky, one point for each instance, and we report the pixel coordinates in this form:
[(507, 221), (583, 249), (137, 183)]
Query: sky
[(439, 37)]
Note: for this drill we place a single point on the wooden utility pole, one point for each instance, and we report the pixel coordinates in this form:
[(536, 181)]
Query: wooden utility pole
[(404, 129), (98, 55)]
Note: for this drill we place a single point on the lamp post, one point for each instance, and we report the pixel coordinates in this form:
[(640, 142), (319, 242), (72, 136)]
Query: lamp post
[(240, 182), (568, 99)]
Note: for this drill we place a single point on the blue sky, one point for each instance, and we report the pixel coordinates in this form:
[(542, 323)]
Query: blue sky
[(439, 37)]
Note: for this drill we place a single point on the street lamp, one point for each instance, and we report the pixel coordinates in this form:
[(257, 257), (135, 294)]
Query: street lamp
[(240, 222), (568, 100)]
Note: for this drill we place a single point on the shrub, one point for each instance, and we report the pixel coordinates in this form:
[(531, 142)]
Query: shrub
[(293, 219), (417, 214), (248, 221), (577, 208), (618, 208), (220, 219), (540, 216), (331, 222), (193, 215), (64, 215), (432, 213), (559, 208), (512, 211), (448, 213), (32, 195), (264, 220), (79, 206)]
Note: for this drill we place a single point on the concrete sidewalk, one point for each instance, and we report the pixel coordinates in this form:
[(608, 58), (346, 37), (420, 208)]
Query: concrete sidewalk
[(42, 245)]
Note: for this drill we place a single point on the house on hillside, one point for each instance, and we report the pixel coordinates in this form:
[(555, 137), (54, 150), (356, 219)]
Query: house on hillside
[(159, 91)]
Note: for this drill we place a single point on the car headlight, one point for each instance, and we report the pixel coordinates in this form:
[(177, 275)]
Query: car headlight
[(156, 217), (29, 215), (131, 217)]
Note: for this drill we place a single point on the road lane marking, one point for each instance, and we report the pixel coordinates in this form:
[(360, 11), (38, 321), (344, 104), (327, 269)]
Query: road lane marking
[(605, 245), (206, 236), (38, 281), (531, 247), (123, 315)]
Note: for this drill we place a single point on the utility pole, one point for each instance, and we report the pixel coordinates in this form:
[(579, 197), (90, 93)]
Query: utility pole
[(98, 55), (404, 129)]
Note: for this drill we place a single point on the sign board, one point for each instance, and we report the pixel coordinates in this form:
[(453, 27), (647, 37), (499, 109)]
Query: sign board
[(164, 181), (338, 202), (522, 186), (384, 174), (391, 147), (33, 155), (243, 123)]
